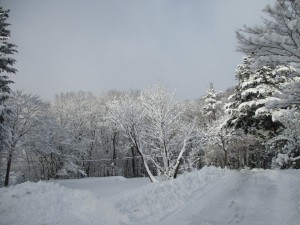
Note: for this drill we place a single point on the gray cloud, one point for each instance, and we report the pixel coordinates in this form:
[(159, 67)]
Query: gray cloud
[(94, 45)]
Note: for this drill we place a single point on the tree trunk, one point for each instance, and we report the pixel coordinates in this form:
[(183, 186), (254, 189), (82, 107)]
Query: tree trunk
[(93, 133), (177, 169), (88, 170), (8, 169), (149, 173), (225, 151), (225, 158), (114, 158), (133, 163)]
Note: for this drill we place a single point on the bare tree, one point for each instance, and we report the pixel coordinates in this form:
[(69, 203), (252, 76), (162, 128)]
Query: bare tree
[(156, 127), (127, 112), (167, 132), (26, 110)]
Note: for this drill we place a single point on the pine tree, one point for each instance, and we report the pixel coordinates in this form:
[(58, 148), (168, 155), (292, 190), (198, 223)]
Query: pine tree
[(288, 97), (6, 67), (253, 90), (248, 105), (211, 103)]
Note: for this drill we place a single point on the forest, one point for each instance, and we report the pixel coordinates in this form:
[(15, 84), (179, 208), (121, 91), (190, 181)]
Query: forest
[(149, 133)]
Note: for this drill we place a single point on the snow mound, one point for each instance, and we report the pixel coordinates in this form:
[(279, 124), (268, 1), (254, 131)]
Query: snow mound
[(49, 203), (149, 204)]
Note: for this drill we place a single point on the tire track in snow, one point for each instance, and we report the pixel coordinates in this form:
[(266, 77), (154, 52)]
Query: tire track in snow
[(244, 198)]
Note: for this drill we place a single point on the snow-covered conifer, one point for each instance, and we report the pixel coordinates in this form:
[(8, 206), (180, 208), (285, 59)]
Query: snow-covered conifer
[(7, 49), (254, 89), (288, 97), (211, 103)]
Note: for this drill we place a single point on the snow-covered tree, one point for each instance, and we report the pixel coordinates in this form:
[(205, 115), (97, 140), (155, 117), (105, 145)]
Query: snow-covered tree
[(77, 113), (155, 125), (254, 89), (44, 148), (287, 143), (289, 96), (231, 148), (128, 113), (26, 112), (110, 139), (217, 146), (212, 104), (7, 49), (277, 41), (167, 134), (194, 111)]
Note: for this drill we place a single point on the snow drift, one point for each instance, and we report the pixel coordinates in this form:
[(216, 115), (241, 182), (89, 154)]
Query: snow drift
[(194, 198), (49, 203), (149, 204)]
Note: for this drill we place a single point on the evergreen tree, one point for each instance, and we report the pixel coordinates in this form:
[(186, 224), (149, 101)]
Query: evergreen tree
[(248, 105), (288, 97), (211, 103), (253, 90), (6, 67)]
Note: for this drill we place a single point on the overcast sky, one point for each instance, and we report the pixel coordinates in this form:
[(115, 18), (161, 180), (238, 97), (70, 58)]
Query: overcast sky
[(99, 45)]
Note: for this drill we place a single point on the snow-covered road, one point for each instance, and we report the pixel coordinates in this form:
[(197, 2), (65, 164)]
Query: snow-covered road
[(211, 196), (254, 197)]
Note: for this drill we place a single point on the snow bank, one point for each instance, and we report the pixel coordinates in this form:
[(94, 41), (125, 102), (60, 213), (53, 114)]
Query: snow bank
[(147, 205), (129, 203), (49, 203)]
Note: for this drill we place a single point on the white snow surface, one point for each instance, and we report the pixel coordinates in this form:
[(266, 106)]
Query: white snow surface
[(49, 203), (211, 196)]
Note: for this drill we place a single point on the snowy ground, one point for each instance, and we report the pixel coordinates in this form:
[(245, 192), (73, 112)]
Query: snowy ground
[(211, 196)]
